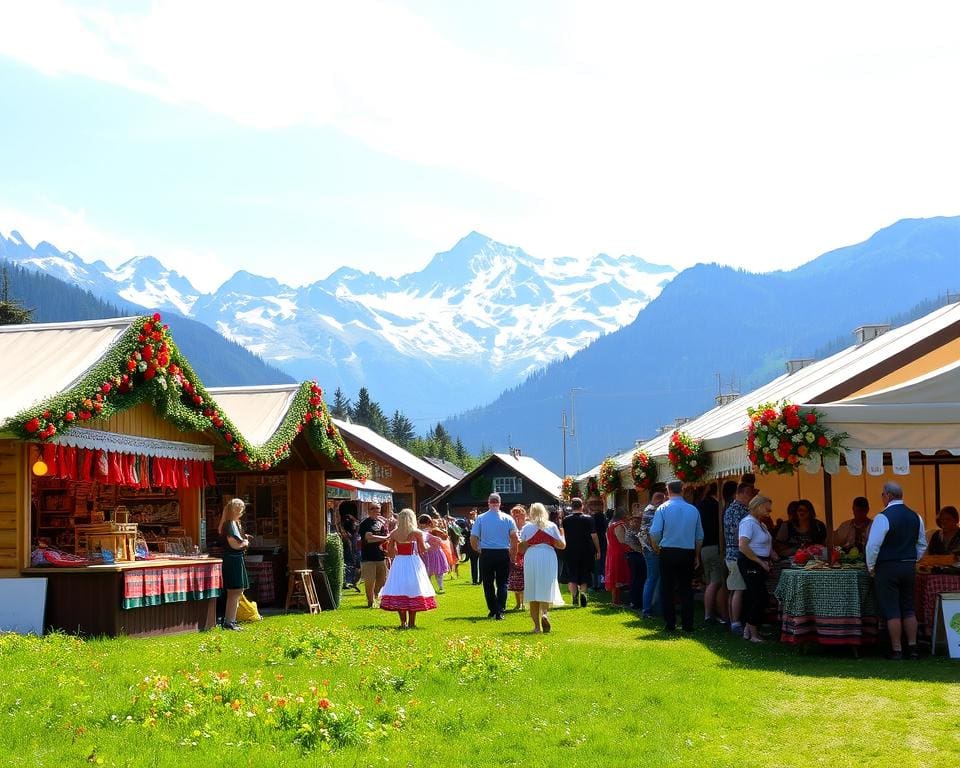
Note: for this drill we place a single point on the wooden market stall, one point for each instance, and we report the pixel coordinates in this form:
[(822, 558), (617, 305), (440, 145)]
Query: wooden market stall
[(285, 502), (107, 448), (411, 480), (94, 499)]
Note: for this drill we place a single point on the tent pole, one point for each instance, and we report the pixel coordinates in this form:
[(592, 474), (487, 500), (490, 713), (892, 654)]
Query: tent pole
[(936, 488), (828, 504)]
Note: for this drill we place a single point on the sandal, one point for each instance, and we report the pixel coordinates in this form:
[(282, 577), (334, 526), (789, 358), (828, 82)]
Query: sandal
[(545, 623)]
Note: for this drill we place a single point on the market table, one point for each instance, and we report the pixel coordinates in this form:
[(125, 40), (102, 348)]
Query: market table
[(831, 606), (927, 587), (139, 599)]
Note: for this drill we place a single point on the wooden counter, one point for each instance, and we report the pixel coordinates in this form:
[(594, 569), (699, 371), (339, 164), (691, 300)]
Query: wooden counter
[(140, 599)]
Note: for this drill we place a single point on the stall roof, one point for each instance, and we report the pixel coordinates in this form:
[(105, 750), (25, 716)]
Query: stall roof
[(724, 428), (40, 360), (922, 415), (366, 490), (422, 470), (258, 410), (349, 484)]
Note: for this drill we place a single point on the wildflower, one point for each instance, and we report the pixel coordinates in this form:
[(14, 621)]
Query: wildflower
[(324, 704), (235, 705)]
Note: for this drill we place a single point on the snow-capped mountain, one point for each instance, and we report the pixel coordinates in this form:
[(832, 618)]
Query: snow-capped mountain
[(142, 281), (476, 320)]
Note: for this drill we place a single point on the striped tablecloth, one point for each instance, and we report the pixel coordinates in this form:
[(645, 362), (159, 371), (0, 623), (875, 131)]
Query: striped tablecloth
[(831, 606), (171, 584), (928, 586)]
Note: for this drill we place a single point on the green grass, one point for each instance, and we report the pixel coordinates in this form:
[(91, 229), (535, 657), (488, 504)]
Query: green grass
[(346, 689)]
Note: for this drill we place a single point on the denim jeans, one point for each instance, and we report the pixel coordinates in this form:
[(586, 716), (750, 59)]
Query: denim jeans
[(651, 587)]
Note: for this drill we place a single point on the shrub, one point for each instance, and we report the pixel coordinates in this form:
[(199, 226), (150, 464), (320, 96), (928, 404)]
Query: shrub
[(333, 565)]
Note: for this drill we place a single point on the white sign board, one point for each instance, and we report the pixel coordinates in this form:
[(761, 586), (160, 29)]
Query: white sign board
[(22, 602), (948, 617)]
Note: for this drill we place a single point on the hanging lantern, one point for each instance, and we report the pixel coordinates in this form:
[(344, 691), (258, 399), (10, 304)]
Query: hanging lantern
[(39, 467)]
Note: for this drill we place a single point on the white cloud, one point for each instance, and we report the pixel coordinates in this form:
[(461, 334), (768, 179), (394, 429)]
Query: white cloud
[(71, 230), (753, 133)]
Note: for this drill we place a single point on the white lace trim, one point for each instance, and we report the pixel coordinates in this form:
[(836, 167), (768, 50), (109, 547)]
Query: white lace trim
[(78, 437)]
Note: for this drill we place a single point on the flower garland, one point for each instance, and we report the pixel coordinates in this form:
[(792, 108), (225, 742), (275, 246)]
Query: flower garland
[(687, 457), (144, 365), (780, 436), (609, 479), (643, 469), (568, 488)]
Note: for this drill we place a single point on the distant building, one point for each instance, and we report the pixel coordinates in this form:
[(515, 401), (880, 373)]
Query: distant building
[(447, 466), (518, 479)]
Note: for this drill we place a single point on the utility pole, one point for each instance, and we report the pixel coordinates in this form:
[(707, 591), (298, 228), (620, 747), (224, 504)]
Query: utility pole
[(573, 422), (563, 434)]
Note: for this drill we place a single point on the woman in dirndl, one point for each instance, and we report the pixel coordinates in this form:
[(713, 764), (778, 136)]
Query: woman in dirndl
[(408, 589), (235, 578), (539, 541), (515, 577)]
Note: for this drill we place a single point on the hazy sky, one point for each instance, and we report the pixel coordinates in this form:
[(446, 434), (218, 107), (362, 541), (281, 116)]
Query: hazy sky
[(291, 138)]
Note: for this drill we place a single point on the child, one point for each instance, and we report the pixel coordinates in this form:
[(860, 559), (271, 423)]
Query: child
[(435, 559)]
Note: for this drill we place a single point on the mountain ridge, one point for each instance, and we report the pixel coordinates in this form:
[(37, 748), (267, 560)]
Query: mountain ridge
[(727, 322), (484, 314)]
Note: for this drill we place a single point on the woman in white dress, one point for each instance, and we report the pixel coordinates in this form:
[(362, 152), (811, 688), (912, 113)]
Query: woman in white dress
[(539, 541), (408, 589)]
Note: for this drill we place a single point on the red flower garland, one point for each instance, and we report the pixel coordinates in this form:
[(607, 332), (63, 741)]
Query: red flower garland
[(780, 436), (609, 480), (643, 469), (687, 457)]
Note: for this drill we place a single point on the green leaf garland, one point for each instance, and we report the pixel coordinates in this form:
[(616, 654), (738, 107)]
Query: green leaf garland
[(145, 365)]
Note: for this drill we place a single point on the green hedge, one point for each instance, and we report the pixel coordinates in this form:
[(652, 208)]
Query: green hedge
[(333, 565)]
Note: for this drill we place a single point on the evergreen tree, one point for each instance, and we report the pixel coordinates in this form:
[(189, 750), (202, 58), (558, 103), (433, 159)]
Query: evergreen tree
[(401, 430), (461, 457), (12, 312), (368, 413), (341, 405)]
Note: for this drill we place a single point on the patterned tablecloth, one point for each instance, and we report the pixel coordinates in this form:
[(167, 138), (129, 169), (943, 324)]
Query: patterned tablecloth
[(928, 586), (830, 606), (171, 584), (262, 589)]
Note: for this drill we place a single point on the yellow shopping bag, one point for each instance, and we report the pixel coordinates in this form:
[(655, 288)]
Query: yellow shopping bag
[(247, 610)]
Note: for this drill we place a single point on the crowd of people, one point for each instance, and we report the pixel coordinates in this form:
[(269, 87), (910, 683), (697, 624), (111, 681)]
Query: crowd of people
[(647, 559)]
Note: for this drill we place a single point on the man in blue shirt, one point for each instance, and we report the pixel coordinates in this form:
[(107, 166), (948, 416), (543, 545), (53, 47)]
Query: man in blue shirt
[(677, 534), (494, 535)]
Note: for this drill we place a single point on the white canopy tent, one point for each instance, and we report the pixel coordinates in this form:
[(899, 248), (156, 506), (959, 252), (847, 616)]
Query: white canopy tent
[(723, 429), (919, 416)]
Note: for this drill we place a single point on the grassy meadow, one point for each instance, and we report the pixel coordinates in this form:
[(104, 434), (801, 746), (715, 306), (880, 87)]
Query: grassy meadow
[(346, 688)]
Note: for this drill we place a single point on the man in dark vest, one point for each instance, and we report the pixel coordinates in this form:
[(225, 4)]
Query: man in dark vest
[(896, 541)]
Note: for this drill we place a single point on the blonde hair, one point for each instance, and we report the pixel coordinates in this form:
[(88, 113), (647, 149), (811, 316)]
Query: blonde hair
[(538, 515), (406, 524), (231, 511), (758, 501)]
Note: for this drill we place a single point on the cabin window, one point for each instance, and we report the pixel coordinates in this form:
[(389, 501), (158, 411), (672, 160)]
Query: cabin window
[(508, 485)]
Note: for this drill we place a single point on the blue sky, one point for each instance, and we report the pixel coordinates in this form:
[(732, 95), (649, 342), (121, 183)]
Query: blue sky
[(292, 138)]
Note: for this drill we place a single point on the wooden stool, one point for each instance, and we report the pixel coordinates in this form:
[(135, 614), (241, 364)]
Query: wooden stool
[(301, 588)]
